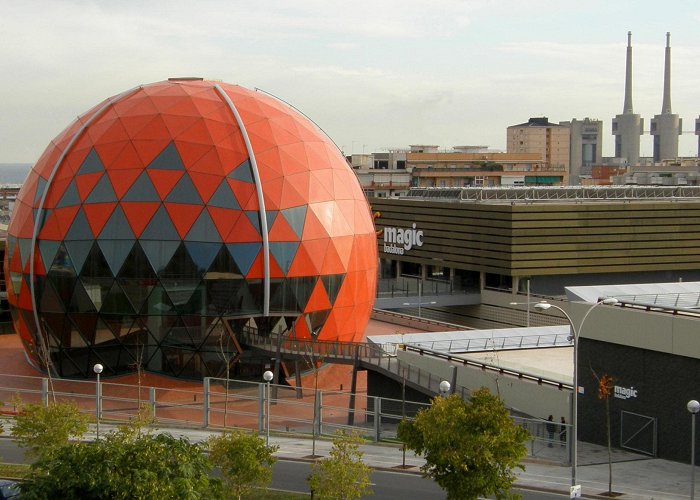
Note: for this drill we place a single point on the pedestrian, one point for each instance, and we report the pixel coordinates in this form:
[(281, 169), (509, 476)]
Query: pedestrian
[(551, 427), (562, 432)]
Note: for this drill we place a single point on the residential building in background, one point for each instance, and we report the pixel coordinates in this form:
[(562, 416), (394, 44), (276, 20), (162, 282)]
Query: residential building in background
[(628, 127), (586, 147), (666, 127), (538, 135)]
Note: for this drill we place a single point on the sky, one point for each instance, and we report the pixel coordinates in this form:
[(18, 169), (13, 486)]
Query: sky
[(373, 74)]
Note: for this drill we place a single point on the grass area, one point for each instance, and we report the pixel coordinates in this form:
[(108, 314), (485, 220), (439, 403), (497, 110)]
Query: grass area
[(13, 471)]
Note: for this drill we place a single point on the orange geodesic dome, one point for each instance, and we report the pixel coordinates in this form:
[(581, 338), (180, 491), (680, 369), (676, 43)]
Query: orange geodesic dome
[(172, 217)]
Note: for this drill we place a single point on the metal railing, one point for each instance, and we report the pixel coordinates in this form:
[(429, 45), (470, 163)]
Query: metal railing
[(220, 404), (494, 343)]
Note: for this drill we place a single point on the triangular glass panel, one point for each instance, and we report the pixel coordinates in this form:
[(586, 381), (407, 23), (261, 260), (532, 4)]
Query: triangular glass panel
[(254, 218), (271, 215), (181, 266), (103, 192), (168, 159), (158, 304), (78, 251), (160, 228), (177, 335), (40, 186), (295, 217), (137, 266), (282, 298), (332, 284), (41, 219), (97, 289), (80, 229), (81, 302), (316, 320), (50, 299), (116, 302), (115, 252), (117, 227), (248, 299), (196, 303), (223, 198), (48, 251), (220, 291), (25, 250), (203, 229), (303, 288), (284, 253), (244, 254), (159, 253), (203, 253), (86, 325), (136, 289), (180, 291), (223, 266), (242, 172), (184, 192), (10, 244), (63, 279), (95, 265), (91, 164), (142, 190), (70, 196)]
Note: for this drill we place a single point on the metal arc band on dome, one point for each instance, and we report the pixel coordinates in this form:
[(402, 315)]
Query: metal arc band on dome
[(39, 212), (261, 200)]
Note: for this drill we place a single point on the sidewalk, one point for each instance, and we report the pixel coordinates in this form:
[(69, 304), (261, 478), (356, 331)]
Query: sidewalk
[(635, 476)]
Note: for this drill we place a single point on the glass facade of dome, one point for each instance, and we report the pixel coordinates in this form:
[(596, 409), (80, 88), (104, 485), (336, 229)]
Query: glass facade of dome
[(168, 218)]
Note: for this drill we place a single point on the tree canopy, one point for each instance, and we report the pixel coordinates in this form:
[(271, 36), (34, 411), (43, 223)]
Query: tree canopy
[(244, 459), (121, 466), (342, 475), (471, 447)]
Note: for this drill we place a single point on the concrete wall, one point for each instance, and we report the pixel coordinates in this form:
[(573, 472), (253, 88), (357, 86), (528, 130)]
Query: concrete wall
[(522, 396)]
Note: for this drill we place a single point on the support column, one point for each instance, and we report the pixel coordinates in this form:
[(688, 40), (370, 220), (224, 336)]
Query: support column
[(482, 280), (353, 387), (516, 285)]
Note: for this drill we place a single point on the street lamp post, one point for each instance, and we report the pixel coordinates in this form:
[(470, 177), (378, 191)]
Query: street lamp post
[(693, 407), (444, 388), (267, 376), (543, 306), (98, 395)]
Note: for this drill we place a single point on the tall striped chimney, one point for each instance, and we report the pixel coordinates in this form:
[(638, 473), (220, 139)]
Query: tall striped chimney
[(627, 127), (666, 127)]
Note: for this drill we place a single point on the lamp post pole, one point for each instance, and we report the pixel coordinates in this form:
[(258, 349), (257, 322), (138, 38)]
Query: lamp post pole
[(98, 398), (267, 376), (693, 407), (543, 306), (444, 388)]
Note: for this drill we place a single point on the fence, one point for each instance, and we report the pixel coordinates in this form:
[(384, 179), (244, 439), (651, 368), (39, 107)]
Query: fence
[(242, 404)]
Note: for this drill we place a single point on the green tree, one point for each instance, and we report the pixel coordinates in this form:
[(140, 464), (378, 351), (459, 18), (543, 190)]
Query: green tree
[(123, 466), (470, 448), (44, 429), (244, 460), (343, 475)]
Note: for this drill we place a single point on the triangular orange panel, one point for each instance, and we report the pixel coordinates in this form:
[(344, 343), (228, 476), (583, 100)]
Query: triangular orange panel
[(86, 182), (156, 130), (164, 180), (256, 270), (303, 264), (148, 149), (122, 180), (344, 246), (295, 191), (225, 220), (245, 194), (64, 218), (97, 215), (272, 193), (56, 190), (191, 152), (210, 163), (243, 232), (318, 301), (313, 228), (139, 214), (183, 216), (206, 184), (282, 231), (331, 262), (315, 249)]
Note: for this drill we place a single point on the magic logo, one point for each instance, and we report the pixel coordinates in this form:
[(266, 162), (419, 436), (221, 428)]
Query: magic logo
[(399, 240)]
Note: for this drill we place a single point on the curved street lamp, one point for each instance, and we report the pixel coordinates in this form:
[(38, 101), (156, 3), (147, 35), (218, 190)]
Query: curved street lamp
[(267, 376), (543, 306)]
